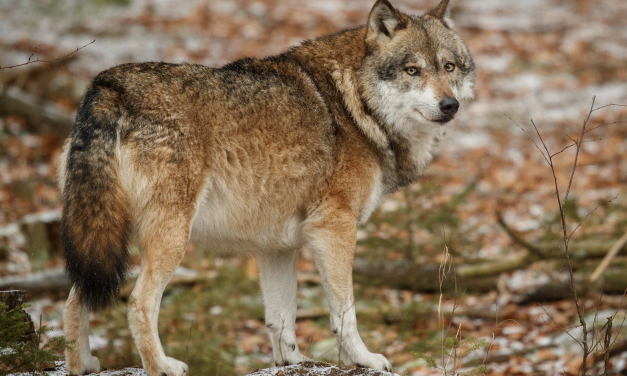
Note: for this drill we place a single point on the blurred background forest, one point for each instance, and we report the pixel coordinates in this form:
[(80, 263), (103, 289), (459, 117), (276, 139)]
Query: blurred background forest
[(489, 195)]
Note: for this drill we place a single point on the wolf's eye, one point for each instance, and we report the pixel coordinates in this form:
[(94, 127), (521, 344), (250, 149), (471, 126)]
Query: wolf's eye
[(413, 71), (449, 67)]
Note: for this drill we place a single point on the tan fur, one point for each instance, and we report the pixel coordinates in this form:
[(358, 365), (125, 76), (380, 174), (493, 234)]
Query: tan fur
[(257, 158)]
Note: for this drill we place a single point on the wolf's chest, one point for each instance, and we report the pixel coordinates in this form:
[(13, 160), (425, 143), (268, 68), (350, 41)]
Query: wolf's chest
[(374, 198)]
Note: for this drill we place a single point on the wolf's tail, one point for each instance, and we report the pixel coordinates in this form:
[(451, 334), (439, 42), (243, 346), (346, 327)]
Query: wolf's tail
[(96, 224)]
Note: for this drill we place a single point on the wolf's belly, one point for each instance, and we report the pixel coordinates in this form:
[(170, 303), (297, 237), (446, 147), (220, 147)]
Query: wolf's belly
[(239, 222)]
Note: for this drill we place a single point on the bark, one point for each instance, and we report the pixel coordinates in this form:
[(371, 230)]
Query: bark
[(12, 298)]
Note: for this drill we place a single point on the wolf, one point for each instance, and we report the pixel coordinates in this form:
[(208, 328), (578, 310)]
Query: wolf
[(257, 158)]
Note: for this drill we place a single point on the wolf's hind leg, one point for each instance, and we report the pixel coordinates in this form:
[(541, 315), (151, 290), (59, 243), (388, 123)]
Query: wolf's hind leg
[(277, 272), (78, 359), (163, 248)]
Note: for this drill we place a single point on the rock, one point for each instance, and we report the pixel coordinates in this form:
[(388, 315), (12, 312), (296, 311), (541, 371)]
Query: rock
[(302, 369), (319, 369), (60, 370)]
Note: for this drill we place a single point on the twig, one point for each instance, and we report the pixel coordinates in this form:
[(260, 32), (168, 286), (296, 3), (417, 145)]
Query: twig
[(587, 215), (187, 344), (606, 348), (47, 61), (603, 125), (562, 207), (575, 144), (532, 140), (548, 157), (496, 323), (446, 259), (37, 346), (308, 345), (329, 350), (339, 353), (608, 105), (565, 329), (624, 316)]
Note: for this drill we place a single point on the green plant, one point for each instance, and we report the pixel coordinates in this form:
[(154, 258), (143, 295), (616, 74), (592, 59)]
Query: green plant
[(20, 352), (453, 350)]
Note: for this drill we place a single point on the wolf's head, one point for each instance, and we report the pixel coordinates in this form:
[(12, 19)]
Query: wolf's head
[(417, 70)]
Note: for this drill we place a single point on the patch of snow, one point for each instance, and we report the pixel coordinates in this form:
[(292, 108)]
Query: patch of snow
[(390, 205), (495, 63), (469, 140), (543, 341), (524, 280), (215, 310)]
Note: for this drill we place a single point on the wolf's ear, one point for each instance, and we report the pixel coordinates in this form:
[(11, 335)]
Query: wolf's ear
[(443, 12), (383, 22)]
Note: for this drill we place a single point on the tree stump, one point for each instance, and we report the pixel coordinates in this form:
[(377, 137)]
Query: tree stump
[(13, 299)]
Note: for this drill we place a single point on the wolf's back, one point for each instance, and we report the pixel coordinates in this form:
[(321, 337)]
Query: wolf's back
[(96, 221)]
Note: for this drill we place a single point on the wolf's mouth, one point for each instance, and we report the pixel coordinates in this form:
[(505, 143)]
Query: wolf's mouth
[(442, 120)]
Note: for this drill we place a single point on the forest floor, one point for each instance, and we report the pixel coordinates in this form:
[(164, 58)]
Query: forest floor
[(535, 59)]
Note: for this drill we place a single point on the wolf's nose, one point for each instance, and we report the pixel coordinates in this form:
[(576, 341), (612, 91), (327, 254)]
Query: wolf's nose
[(449, 106)]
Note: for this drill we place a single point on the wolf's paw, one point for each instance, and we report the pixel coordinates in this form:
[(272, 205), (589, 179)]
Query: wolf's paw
[(89, 365), (291, 357), (173, 367), (375, 361)]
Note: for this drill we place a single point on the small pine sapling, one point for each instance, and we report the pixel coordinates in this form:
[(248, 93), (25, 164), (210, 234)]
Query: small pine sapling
[(20, 352)]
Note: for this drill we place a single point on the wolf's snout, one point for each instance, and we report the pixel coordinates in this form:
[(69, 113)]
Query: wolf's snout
[(449, 106)]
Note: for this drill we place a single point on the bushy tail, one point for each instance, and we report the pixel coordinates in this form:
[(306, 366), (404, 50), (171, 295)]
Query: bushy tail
[(96, 223)]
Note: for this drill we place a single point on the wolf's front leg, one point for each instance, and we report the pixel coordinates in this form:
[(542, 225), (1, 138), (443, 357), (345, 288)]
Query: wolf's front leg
[(333, 243), (277, 272)]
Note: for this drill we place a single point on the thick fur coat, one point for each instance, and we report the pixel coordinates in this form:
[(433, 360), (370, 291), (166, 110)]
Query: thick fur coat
[(259, 157)]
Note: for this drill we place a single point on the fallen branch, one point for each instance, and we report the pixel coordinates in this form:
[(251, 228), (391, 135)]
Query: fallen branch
[(406, 275), (517, 238), (43, 116), (586, 249), (615, 350), (55, 283), (620, 244), (479, 277), (502, 357)]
